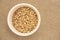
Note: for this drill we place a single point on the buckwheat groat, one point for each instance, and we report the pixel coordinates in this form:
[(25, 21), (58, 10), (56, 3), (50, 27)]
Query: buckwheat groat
[(24, 19)]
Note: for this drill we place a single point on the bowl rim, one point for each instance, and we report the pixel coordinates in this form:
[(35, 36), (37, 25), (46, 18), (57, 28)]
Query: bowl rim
[(9, 19)]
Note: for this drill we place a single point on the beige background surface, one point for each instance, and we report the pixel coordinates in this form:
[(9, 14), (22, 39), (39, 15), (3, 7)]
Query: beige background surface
[(50, 20)]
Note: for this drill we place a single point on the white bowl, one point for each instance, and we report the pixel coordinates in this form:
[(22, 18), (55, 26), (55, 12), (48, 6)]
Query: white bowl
[(10, 14)]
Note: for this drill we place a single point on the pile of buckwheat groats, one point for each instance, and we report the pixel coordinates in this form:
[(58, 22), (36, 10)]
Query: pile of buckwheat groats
[(24, 19)]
